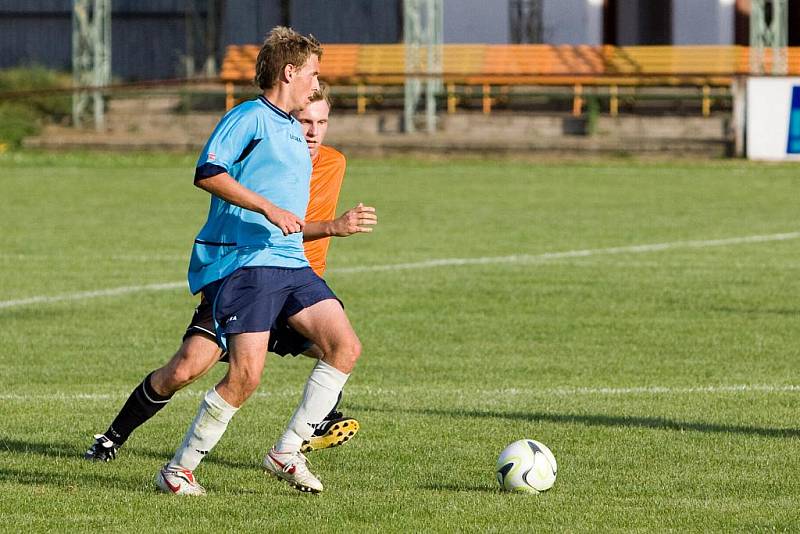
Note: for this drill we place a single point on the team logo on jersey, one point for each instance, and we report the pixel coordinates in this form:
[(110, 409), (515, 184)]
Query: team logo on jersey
[(295, 138), (212, 156)]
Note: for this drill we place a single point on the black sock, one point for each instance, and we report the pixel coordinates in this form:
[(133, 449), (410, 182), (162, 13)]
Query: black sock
[(142, 404), (333, 414)]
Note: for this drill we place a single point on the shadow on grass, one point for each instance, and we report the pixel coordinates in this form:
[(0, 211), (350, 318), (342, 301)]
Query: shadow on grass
[(75, 451), (72, 481), (655, 423)]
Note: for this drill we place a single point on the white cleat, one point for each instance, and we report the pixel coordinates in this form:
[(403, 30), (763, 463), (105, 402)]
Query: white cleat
[(292, 467), (178, 481)]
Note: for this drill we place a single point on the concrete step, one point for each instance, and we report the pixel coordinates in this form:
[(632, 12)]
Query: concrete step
[(379, 133)]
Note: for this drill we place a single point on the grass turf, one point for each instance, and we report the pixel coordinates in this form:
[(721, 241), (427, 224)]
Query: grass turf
[(625, 364)]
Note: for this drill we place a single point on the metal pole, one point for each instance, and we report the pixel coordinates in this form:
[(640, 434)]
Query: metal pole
[(91, 58), (411, 39), (433, 84), (102, 60), (422, 32), (769, 28)]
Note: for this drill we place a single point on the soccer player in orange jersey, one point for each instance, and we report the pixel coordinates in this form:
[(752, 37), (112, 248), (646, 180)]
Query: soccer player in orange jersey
[(199, 350)]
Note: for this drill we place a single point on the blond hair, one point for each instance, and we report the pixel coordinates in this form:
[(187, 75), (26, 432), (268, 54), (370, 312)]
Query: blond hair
[(323, 93), (283, 46)]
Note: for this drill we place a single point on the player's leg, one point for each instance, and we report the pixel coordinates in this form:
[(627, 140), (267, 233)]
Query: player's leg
[(326, 324), (336, 428), (196, 355), (247, 353), (194, 359), (246, 305)]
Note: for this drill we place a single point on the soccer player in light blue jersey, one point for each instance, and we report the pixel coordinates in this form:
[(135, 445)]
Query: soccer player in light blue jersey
[(199, 351), (248, 260)]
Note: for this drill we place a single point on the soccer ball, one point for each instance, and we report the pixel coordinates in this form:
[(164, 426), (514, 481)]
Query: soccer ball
[(526, 466)]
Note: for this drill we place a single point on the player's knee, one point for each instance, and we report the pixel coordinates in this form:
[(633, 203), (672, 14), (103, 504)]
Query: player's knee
[(355, 349), (181, 376), (184, 370), (165, 381), (348, 352), (248, 380)]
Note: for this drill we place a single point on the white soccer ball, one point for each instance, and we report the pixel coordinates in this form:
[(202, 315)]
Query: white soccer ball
[(526, 466)]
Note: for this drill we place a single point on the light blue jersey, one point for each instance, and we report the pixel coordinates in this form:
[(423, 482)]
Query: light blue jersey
[(263, 148)]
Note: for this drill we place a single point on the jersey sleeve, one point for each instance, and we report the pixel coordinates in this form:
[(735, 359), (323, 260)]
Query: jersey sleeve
[(232, 136)]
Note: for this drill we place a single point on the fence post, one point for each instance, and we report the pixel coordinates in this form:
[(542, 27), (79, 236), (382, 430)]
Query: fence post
[(613, 103), (577, 100), (229, 96), (487, 98), (361, 99), (706, 101), (452, 101)]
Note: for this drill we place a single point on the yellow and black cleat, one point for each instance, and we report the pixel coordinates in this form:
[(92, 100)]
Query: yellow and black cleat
[(335, 432)]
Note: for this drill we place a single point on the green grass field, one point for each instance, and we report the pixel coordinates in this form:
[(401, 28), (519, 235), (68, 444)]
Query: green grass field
[(663, 378)]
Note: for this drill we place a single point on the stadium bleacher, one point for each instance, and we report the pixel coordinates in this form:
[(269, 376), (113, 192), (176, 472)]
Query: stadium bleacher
[(490, 66)]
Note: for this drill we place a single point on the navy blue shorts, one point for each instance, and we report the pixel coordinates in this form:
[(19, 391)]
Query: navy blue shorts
[(252, 298), (283, 339)]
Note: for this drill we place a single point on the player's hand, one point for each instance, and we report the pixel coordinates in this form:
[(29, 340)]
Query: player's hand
[(288, 222), (355, 220)]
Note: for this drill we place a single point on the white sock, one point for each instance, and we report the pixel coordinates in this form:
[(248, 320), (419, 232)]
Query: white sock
[(319, 397), (205, 431)]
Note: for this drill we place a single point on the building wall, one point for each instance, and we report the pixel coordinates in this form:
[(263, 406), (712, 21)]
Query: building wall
[(349, 21), (703, 21), (573, 21), (248, 21), (21, 42), (149, 37), (476, 21)]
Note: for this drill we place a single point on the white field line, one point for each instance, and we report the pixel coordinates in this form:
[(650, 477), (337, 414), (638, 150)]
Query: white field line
[(91, 294), (444, 262), (366, 391), (547, 256)]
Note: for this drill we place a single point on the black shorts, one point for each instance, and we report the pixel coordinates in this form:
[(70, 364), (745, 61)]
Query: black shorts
[(283, 339)]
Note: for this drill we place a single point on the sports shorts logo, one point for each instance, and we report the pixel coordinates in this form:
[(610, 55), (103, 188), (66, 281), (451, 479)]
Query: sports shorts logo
[(230, 319)]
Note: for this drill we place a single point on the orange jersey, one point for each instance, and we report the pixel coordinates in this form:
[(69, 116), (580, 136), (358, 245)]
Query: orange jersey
[(326, 182)]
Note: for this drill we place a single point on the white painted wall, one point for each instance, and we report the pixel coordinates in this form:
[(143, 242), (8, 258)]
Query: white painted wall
[(769, 102)]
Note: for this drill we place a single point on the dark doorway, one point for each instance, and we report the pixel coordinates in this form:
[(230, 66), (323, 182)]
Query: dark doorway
[(641, 23), (655, 22), (610, 22), (794, 22)]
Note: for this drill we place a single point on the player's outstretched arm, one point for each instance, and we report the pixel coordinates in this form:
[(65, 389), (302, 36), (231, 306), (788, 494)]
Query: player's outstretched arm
[(224, 186), (355, 220)]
